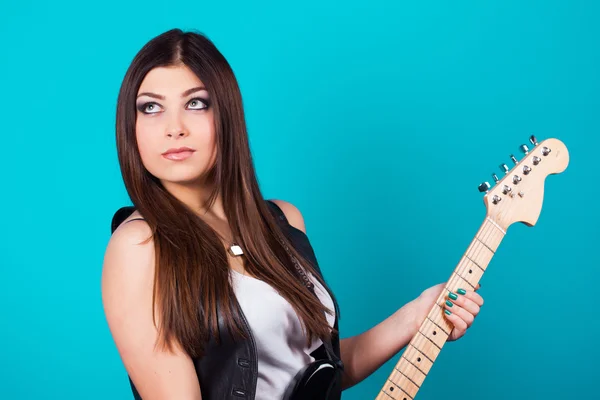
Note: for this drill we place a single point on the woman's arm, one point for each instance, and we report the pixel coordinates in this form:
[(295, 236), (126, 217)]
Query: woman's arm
[(127, 285), (363, 354)]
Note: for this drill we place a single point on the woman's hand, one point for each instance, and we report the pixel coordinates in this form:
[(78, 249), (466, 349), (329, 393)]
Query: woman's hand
[(463, 306), (363, 354)]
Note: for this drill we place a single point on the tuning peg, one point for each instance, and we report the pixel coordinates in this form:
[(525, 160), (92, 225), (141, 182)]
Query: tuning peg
[(545, 151), (524, 148), (514, 159), (504, 168), (484, 187), (533, 140), (495, 178)]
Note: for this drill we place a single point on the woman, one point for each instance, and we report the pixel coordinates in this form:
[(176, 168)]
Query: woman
[(209, 290)]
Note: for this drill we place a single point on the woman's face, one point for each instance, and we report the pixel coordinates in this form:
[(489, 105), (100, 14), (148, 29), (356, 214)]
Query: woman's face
[(174, 111)]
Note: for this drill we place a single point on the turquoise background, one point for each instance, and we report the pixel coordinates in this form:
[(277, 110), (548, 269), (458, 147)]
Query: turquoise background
[(376, 119)]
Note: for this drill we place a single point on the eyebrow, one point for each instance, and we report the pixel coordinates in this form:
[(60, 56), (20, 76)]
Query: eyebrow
[(186, 93)]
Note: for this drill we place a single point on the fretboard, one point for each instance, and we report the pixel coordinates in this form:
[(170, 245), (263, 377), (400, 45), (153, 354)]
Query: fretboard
[(420, 354)]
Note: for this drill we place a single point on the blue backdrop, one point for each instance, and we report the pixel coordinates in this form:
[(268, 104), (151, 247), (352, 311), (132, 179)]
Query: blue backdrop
[(376, 119)]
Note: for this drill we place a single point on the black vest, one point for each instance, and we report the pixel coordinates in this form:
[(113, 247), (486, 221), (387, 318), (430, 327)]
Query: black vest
[(230, 370)]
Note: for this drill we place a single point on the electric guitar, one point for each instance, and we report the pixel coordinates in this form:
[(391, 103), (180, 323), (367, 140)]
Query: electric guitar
[(516, 197)]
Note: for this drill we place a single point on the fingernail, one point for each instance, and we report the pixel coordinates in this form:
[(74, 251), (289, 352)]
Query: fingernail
[(447, 312), (461, 291), (449, 303), (453, 296)]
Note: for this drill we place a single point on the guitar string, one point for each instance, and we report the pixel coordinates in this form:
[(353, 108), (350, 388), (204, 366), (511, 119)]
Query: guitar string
[(399, 374), (476, 246), (480, 242), (489, 231)]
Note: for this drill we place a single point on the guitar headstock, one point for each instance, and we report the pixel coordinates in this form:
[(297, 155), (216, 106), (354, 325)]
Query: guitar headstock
[(518, 196)]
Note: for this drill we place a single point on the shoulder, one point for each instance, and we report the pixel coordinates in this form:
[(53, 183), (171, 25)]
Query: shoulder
[(131, 230), (134, 319), (292, 213), (128, 264)]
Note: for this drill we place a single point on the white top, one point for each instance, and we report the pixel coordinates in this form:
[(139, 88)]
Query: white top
[(277, 331)]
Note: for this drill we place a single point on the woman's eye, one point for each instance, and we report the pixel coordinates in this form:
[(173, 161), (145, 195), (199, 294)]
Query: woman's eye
[(198, 104), (154, 108), (148, 108)]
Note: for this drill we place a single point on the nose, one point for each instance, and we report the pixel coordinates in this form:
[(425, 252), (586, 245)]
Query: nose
[(176, 127)]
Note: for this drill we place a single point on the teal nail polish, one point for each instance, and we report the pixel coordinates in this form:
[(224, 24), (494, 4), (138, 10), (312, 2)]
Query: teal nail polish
[(453, 296), (449, 303), (461, 291), (447, 312)]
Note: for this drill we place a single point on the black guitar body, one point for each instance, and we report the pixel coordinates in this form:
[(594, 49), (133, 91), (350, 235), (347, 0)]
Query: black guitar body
[(316, 381)]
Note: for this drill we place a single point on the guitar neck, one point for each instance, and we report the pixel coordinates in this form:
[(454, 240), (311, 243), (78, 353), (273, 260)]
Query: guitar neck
[(420, 354)]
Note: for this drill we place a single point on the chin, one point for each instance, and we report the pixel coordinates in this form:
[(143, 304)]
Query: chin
[(183, 179)]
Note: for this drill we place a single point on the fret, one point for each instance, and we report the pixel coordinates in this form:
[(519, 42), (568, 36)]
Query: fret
[(425, 346), (408, 371), (446, 328), (491, 234), (437, 317), (418, 359), (480, 255), (492, 222), (413, 373), (399, 381), (393, 391), (433, 333), (469, 272), (420, 354), (457, 282), (484, 244)]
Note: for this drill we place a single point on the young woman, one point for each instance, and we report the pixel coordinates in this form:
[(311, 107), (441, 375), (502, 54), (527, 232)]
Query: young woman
[(209, 290)]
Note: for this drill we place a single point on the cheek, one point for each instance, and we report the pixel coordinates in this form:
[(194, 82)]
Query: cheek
[(148, 139), (205, 136)]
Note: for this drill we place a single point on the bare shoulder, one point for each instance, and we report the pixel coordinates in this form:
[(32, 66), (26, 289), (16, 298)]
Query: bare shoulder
[(127, 278), (292, 213), (131, 240), (134, 217), (127, 296)]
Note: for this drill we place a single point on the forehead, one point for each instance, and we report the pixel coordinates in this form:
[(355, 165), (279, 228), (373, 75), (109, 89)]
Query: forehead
[(169, 81)]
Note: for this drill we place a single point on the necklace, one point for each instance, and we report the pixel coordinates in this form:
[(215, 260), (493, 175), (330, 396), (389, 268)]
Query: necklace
[(234, 249)]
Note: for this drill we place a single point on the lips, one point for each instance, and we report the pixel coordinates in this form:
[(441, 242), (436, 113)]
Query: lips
[(179, 150), (178, 156)]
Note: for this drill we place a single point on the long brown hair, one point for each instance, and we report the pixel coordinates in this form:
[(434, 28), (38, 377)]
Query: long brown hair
[(192, 270)]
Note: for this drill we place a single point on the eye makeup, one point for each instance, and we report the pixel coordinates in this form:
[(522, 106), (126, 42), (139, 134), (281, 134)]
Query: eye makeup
[(142, 106)]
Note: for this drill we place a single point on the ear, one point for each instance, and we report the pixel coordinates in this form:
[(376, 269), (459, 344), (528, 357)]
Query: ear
[(120, 215)]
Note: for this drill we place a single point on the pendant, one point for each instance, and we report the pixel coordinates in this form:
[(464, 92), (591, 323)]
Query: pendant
[(236, 250)]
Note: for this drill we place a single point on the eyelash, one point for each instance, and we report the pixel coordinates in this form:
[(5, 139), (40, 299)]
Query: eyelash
[(143, 106)]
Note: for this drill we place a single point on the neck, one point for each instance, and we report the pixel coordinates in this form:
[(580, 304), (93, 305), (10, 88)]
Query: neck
[(195, 196), (422, 351)]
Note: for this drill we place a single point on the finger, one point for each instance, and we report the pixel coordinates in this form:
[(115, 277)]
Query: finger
[(463, 299), (471, 295), (459, 324), (478, 287), (464, 315)]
